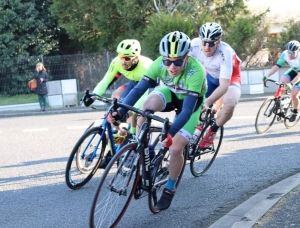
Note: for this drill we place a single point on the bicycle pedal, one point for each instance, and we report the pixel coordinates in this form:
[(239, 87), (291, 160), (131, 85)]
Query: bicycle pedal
[(138, 194)]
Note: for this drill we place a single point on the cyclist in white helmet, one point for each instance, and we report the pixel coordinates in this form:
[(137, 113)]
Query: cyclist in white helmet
[(291, 56), (184, 88), (223, 75)]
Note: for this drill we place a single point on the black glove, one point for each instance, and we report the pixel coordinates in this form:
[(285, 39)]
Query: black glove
[(87, 99)]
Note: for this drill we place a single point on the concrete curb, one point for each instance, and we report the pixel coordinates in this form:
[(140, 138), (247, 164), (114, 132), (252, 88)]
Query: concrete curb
[(248, 213)]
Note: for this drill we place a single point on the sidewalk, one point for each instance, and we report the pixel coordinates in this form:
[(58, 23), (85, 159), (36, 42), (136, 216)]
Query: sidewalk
[(276, 206)]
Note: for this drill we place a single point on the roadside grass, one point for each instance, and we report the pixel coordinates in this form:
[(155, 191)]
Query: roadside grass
[(30, 98), (18, 99)]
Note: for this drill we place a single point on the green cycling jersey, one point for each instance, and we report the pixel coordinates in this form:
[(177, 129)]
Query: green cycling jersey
[(191, 79), (115, 70)]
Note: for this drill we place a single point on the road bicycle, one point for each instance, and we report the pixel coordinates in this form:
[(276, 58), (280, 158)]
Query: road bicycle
[(275, 107), (131, 173), (201, 159), (94, 149)]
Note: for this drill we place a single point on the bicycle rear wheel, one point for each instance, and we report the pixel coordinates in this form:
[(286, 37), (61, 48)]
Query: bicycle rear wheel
[(203, 158), (85, 158), (266, 115), (116, 188), (161, 174), (288, 124)]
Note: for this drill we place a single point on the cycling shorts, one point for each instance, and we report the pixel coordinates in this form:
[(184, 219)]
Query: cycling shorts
[(213, 83), (171, 103), (291, 74)]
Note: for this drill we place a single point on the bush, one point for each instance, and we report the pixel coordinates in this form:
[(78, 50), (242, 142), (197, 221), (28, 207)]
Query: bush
[(160, 25)]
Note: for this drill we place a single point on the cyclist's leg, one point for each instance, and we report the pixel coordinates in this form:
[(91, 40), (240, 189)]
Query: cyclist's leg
[(287, 77), (118, 92), (180, 140), (218, 104), (230, 100), (295, 102), (294, 96), (163, 97), (295, 90)]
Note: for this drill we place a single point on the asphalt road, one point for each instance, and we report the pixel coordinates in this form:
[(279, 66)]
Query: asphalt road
[(35, 150)]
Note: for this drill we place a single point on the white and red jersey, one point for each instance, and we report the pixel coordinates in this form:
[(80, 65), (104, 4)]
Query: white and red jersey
[(224, 63)]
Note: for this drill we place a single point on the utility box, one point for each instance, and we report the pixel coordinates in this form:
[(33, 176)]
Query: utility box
[(69, 92)]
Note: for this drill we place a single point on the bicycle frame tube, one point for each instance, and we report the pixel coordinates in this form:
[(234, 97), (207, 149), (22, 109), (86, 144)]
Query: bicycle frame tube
[(110, 135), (95, 147), (144, 139)]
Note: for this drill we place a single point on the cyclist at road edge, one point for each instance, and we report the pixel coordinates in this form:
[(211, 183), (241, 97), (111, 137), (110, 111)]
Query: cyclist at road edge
[(184, 87)]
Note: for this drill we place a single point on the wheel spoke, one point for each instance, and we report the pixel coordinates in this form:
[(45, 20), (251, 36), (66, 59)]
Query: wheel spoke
[(85, 157)]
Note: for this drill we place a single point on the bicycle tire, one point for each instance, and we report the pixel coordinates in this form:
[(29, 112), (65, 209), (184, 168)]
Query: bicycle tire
[(266, 115), (80, 169), (161, 178), (203, 158), (111, 201), (286, 121)]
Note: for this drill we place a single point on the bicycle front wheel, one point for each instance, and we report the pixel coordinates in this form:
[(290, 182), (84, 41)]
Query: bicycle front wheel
[(116, 188), (85, 158), (161, 174), (288, 124), (203, 158), (266, 115)]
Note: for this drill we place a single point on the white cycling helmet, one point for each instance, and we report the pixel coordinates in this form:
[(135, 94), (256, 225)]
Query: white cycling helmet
[(293, 45), (210, 31), (175, 45)]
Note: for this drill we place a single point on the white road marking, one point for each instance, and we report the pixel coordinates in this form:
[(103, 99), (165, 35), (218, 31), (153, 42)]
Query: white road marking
[(35, 130)]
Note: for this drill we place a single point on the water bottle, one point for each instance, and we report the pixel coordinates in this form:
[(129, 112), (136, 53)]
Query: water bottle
[(119, 137), (196, 135)]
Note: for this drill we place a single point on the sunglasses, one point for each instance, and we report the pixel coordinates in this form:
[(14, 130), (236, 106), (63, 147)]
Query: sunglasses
[(209, 43), (126, 58), (177, 62), (291, 52)]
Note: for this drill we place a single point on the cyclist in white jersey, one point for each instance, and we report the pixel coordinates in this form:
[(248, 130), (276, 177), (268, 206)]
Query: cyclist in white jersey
[(223, 74), (291, 56)]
